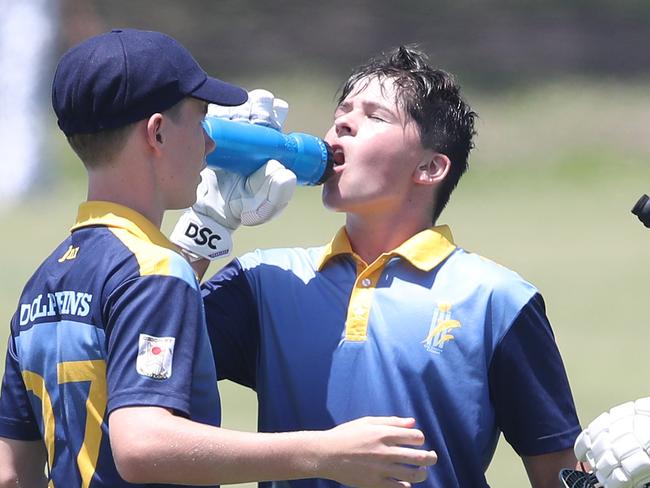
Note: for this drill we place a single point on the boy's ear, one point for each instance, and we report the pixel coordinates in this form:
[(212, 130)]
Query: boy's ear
[(432, 171), (154, 130)]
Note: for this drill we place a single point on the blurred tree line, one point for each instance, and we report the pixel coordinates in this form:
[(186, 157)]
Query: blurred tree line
[(490, 43)]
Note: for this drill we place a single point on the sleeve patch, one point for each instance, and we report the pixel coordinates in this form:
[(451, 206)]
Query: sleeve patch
[(155, 356)]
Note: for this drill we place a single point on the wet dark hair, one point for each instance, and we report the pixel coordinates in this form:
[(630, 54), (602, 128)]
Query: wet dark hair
[(431, 97)]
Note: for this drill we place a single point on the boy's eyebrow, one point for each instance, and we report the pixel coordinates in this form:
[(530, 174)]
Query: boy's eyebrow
[(343, 105), (367, 104), (377, 105)]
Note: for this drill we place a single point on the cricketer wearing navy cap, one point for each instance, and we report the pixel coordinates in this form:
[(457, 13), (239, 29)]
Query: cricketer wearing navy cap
[(109, 377), (123, 76)]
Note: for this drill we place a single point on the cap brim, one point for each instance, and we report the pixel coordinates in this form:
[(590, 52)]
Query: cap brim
[(220, 92)]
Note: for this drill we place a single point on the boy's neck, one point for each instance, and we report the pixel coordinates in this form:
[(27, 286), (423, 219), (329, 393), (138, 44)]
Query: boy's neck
[(370, 237), (134, 189)]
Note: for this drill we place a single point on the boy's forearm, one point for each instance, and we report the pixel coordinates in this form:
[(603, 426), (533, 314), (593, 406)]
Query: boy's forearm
[(151, 445), (154, 446), (22, 463)]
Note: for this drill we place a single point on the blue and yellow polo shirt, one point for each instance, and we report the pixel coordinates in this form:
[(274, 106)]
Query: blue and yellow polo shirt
[(428, 331), (112, 318)]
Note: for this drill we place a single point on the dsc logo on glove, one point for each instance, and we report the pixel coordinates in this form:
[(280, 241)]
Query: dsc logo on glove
[(202, 235)]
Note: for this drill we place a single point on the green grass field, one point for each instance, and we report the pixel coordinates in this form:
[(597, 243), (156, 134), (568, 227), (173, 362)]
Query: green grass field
[(554, 176)]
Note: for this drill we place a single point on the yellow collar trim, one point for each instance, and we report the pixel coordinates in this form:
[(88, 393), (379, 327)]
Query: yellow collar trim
[(111, 214), (425, 250), (339, 245)]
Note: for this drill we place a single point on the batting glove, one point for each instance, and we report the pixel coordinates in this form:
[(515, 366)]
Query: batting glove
[(225, 199), (261, 108), (617, 443)]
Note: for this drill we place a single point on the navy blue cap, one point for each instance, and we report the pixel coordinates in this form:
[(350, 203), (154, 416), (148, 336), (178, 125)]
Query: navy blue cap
[(126, 75)]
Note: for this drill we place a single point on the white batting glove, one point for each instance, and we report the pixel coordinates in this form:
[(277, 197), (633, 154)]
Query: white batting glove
[(224, 200), (261, 108), (617, 443)]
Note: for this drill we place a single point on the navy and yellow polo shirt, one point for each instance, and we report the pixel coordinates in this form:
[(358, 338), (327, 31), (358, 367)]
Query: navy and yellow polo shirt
[(112, 318), (428, 331)]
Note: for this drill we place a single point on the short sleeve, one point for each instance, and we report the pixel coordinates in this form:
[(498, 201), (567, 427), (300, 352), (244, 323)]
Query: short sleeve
[(232, 320), (17, 420), (529, 386), (153, 326)]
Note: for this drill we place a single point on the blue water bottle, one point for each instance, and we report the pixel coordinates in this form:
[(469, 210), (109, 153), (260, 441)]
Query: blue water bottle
[(243, 148)]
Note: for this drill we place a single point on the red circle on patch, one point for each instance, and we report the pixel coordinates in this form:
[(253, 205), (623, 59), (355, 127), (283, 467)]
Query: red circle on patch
[(156, 350)]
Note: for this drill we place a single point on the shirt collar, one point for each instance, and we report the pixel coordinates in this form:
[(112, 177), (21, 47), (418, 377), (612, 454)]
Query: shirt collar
[(111, 214), (425, 250)]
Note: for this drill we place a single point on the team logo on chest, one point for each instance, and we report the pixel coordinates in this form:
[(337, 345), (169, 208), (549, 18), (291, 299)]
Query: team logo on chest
[(440, 330), (155, 356)]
